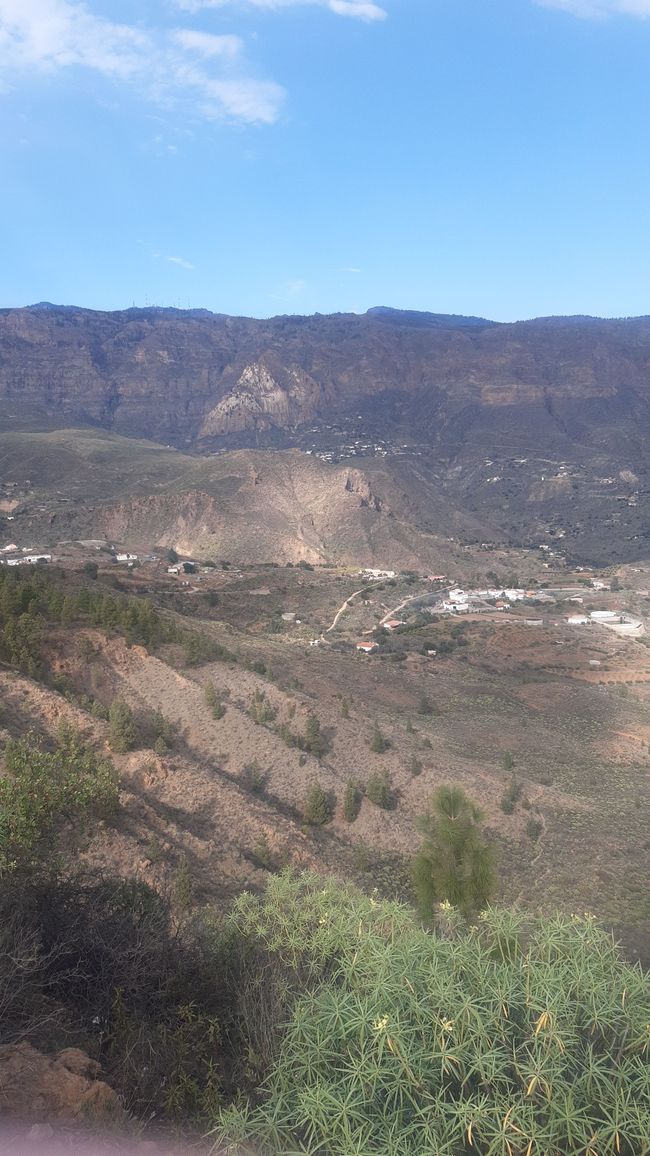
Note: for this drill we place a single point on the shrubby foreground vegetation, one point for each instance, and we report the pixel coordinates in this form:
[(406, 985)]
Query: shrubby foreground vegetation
[(516, 1036), (315, 1019)]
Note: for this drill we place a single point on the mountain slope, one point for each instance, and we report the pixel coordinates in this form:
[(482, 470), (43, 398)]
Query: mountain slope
[(463, 427)]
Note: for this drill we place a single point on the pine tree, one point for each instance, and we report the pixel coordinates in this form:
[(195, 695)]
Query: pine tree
[(122, 731), (317, 808), (454, 862), (378, 744), (378, 790), (314, 740), (351, 800)]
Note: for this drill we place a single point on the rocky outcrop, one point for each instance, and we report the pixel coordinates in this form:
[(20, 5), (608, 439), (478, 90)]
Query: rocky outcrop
[(259, 401), (62, 1087), (357, 483)]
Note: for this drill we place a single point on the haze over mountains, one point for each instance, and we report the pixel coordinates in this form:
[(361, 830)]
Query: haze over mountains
[(457, 425)]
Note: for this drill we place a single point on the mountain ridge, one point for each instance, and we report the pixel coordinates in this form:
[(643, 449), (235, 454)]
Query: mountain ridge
[(528, 428)]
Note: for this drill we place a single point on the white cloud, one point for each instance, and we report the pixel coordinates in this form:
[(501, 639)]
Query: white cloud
[(202, 73), (182, 262), (600, 9), (360, 9), (205, 44)]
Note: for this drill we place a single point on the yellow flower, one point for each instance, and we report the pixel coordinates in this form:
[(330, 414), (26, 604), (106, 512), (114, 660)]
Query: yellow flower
[(381, 1024)]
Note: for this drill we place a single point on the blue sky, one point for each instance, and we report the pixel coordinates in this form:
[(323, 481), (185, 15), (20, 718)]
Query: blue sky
[(291, 156)]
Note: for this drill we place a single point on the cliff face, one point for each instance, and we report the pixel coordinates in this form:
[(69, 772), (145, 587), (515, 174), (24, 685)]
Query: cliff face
[(189, 379), (462, 426)]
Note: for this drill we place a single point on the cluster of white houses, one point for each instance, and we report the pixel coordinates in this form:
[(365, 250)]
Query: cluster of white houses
[(26, 560), (463, 601)]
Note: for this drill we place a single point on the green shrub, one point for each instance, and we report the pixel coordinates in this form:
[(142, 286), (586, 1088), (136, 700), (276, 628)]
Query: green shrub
[(264, 856), (534, 828), (214, 701), (512, 1037), (41, 788), (261, 710), (317, 808), (511, 796), (378, 790), (351, 801), (122, 732), (253, 778), (162, 729), (378, 744), (314, 740)]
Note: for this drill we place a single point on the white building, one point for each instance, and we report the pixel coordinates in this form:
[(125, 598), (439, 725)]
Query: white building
[(28, 560), (458, 595), (126, 557), (376, 575)]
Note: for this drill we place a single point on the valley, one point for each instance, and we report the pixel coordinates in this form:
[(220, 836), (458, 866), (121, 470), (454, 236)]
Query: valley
[(486, 700), (270, 593)]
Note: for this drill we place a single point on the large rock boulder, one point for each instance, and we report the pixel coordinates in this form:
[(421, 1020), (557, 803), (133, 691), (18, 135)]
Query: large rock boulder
[(64, 1086)]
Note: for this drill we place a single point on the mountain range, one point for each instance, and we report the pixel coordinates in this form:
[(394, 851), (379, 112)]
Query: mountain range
[(525, 429)]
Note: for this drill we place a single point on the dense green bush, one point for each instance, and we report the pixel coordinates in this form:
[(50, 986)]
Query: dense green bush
[(317, 808), (378, 743), (261, 710), (314, 739), (41, 789), (517, 1037), (378, 790), (351, 801), (122, 729)]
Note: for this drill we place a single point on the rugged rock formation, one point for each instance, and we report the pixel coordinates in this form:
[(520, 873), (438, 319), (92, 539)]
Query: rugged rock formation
[(62, 1087), (192, 378), (258, 401)]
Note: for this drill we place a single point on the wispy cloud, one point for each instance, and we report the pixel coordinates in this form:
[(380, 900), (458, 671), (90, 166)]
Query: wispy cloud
[(182, 262), (351, 269), (359, 9), (600, 9), (295, 288), (204, 74), (205, 44)]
